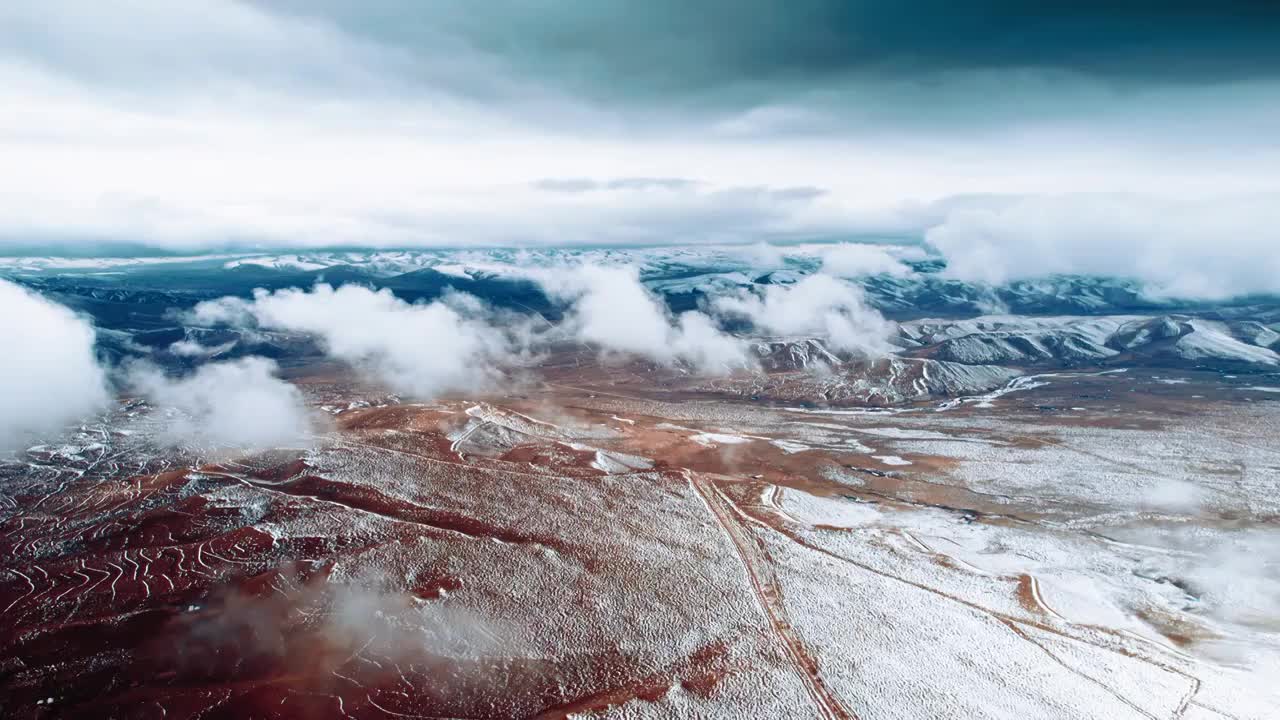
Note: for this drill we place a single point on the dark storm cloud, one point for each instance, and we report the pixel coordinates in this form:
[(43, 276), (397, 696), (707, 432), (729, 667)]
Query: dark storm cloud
[(734, 48), (739, 68)]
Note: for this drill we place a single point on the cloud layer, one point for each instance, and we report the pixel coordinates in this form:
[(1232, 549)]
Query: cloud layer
[(49, 376)]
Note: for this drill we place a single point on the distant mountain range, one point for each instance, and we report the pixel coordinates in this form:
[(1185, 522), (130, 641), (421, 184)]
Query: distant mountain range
[(1064, 321)]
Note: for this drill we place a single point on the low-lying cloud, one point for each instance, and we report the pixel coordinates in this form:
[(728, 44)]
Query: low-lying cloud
[(421, 350), (331, 629), (49, 376), (1232, 576), (817, 305), (234, 404), (459, 344), (851, 260), (611, 309)]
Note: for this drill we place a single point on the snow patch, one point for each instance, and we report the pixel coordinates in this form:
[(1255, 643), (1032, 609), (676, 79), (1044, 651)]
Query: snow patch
[(892, 459)]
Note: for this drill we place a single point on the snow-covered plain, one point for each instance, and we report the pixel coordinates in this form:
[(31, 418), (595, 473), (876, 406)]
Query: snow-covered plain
[(577, 551)]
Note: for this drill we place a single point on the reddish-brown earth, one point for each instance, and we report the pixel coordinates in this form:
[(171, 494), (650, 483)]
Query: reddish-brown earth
[(139, 596), (580, 548)]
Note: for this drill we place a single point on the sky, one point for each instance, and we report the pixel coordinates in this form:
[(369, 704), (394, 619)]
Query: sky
[(308, 123)]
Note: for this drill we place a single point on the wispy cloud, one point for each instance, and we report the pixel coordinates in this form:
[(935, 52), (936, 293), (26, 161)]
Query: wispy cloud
[(237, 404)]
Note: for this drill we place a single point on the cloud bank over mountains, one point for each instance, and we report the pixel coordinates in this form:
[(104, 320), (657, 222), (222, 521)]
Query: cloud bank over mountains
[(1213, 248), (423, 350)]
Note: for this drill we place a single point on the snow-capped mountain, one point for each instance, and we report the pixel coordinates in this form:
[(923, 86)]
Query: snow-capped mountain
[(1074, 340), (1045, 322)]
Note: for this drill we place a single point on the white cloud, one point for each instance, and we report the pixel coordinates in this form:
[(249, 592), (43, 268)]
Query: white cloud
[(193, 349), (420, 350), (187, 348), (49, 376), (614, 311), (761, 256), (1233, 573), (1240, 578), (1210, 248), (234, 404), (223, 311), (849, 260), (698, 341), (1174, 495), (817, 305)]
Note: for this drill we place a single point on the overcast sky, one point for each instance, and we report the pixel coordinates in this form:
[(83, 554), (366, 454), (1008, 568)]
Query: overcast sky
[(204, 123)]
